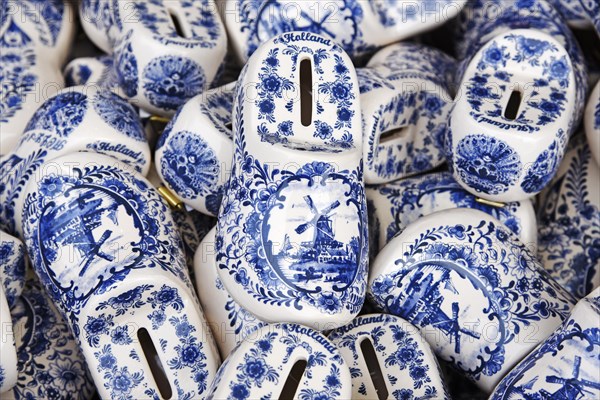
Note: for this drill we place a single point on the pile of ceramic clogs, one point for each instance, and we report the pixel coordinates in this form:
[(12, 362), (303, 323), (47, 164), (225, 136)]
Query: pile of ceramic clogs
[(346, 199)]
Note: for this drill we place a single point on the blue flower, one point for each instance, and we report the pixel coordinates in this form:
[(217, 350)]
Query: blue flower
[(458, 231), (96, 325), (403, 394), (107, 360), (265, 345), (183, 329), (51, 186), (493, 55), (272, 84), (67, 374), (329, 303), (285, 128), (341, 91), (120, 336), (190, 354), (255, 368), (344, 114), (166, 295), (239, 391), (266, 106), (169, 81), (323, 130), (126, 299), (122, 382)]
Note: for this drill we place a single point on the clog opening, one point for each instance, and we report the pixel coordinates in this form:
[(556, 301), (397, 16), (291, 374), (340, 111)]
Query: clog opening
[(156, 367), (293, 380), (370, 357), (512, 106), (181, 29), (306, 96), (393, 134)]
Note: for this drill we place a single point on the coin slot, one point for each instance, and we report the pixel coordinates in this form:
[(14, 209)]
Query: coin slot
[(306, 96), (293, 380), (156, 367), (374, 369), (512, 107), (177, 24), (393, 134), (229, 126)]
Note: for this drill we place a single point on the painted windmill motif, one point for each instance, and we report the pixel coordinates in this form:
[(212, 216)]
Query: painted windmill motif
[(321, 222), (572, 388)]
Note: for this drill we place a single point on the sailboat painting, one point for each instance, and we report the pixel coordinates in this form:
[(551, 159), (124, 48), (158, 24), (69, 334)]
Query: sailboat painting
[(82, 237), (311, 236)]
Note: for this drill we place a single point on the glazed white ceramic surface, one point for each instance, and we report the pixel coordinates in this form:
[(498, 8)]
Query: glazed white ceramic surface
[(260, 365), (12, 267), (408, 366), (195, 151), (230, 323), (50, 363), (35, 38), (479, 297), (404, 95), (8, 350), (569, 221), (592, 122), (292, 228), (81, 118), (566, 365), (158, 67), (395, 205), (359, 27), (106, 248)]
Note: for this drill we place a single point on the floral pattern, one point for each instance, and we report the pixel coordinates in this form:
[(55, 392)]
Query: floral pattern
[(506, 285), (539, 175), (487, 164), (169, 81), (126, 66), (119, 114), (12, 267), (61, 114)]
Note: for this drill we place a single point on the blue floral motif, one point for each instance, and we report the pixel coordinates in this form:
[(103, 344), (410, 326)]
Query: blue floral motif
[(169, 81), (119, 114), (12, 269), (442, 256), (126, 66), (189, 165), (543, 169), (487, 164), (61, 114)]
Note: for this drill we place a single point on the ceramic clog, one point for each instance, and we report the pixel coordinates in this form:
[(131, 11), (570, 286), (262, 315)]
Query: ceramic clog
[(405, 103), (283, 361), (81, 118), (50, 363), (195, 151), (569, 222), (291, 235), (165, 52), (527, 82), (35, 40), (395, 205), (580, 14), (592, 123), (566, 365), (8, 350), (388, 358), (104, 244), (92, 71), (12, 267), (230, 323), (359, 27), (479, 297)]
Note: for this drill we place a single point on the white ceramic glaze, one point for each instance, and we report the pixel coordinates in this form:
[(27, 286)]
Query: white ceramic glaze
[(8, 350), (260, 365), (81, 118), (292, 228), (195, 150), (569, 221), (405, 101), (566, 365), (12, 267), (479, 297), (592, 122), (50, 363), (408, 367), (159, 63), (35, 38), (106, 248), (359, 27), (395, 205), (230, 323)]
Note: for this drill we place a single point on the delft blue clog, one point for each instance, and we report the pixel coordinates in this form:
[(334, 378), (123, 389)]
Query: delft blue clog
[(230, 323), (124, 287), (566, 365), (92, 71), (35, 40), (12, 267), (264, 365), (359, 27), (405, 102), (165, 52), (592, 123), (194, 152), (50, 363), (291, 235), (580, 14), (8, 350), (472, 288), (395, 205), (569, 222), (76, 119), (407, 366)]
